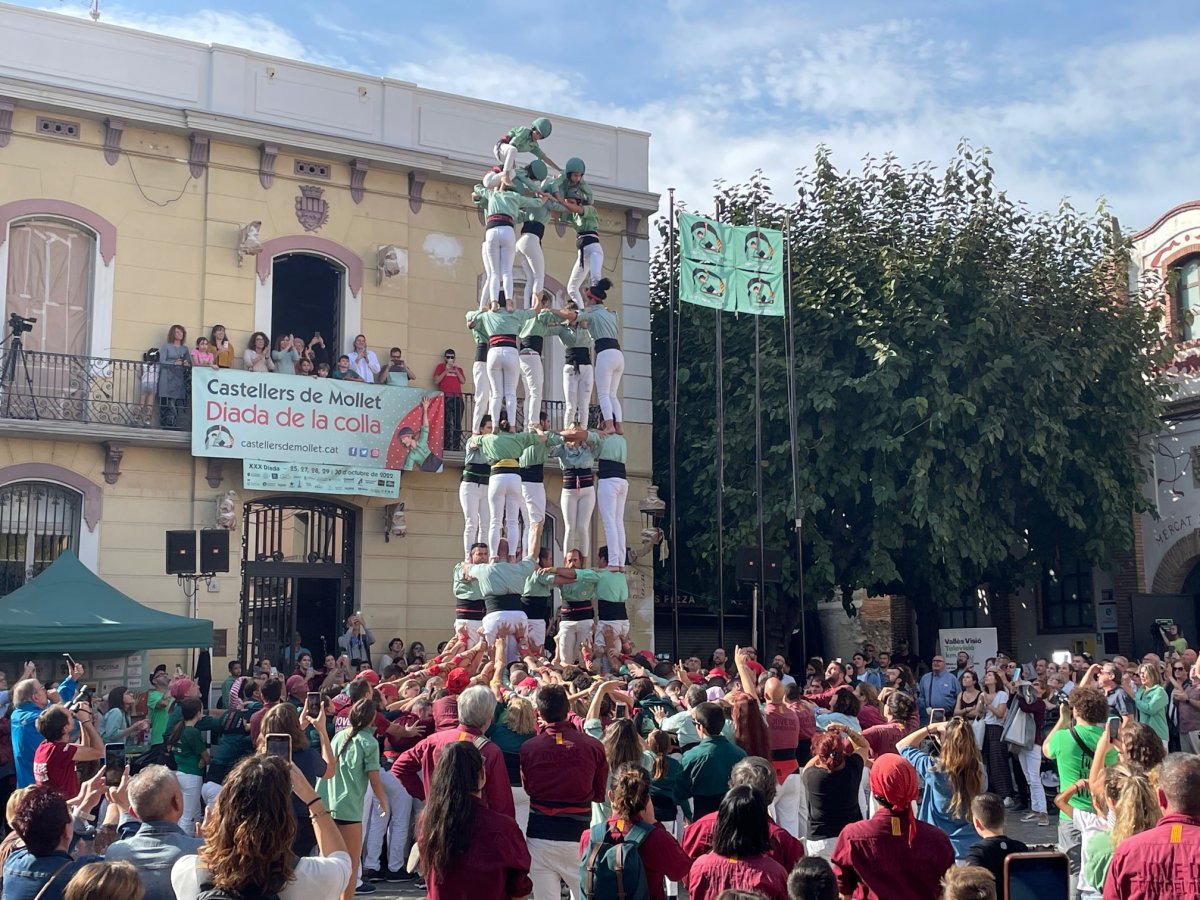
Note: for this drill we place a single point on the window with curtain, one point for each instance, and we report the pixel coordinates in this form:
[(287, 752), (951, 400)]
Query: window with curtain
[(39, 520), (50, 270), (1187, 291)]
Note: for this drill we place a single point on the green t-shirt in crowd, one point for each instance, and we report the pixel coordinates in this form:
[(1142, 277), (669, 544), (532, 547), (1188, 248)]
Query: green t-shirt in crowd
[(188, 749), (157, 715), (1072, 764), (356, 757)]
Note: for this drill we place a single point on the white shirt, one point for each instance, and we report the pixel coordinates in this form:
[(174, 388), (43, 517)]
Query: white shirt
[(316, 877), (988, 717), (368, 368)]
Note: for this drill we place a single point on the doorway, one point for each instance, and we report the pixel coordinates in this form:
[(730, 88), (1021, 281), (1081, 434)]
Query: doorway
[(306, 299), (298, 560)]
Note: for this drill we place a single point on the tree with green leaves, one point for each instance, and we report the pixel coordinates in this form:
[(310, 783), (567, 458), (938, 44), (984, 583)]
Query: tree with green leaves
[(971, 380)]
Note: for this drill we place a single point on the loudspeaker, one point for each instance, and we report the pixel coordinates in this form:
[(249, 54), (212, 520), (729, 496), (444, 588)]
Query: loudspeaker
[(214, 550), (181, 553), (747, 565)]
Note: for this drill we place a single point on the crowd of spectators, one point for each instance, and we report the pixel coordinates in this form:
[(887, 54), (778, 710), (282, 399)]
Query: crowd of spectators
[(477, 773)]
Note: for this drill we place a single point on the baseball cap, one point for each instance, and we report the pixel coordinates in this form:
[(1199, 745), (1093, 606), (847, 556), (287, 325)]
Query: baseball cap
[(528, 684), (295, 683), (370, 676), (180, 688)]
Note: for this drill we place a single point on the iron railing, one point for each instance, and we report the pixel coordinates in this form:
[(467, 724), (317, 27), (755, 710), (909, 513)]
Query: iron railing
[(92, 390)]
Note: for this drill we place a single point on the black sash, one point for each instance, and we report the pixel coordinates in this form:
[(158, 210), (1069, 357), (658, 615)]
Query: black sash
[(603, 344), (503, 603), (610, 468)]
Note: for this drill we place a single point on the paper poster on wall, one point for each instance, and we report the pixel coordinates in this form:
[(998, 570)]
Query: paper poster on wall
[(314, 478), (978, 643)]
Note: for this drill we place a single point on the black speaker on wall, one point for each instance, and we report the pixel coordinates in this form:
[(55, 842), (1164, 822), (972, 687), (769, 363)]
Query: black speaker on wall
[(214, 550), (747, 565), (181, 553)]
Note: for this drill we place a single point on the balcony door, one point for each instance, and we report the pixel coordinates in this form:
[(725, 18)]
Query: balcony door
[(306, 299)]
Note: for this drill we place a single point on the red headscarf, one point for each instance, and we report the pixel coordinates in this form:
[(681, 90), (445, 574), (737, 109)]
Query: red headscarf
[(894, 782)]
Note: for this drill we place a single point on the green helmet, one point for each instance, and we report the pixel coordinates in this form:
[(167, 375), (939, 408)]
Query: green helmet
[(574, 164), (537, 170), (542, 126)]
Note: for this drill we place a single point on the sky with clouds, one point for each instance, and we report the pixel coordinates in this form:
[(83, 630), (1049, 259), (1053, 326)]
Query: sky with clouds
[(1078, 100)]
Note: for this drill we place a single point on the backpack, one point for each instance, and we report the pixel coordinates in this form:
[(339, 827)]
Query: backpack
[(612, 866)]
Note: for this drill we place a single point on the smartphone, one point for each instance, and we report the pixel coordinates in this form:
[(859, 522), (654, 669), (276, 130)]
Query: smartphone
[(279, 745), (1114, 728), (937, 715), (114, 764), (312, 704), (1036, 876), (274, 672)]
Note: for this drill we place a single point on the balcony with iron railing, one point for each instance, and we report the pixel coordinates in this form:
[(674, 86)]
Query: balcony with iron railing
[(49, 395)]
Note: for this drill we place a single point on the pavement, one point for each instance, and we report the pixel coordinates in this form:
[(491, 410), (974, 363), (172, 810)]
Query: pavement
[(1029, 832)]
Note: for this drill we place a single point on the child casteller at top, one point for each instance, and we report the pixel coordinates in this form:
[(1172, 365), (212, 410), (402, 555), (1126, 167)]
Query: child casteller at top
[(522, 140)]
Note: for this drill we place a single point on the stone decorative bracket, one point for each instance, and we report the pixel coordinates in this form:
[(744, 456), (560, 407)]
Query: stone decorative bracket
[(358, 179), (198, 155), (633, 221), (113, 130), (213, 472), (6, 116), (112, 461), (416, 187), (266, 164)]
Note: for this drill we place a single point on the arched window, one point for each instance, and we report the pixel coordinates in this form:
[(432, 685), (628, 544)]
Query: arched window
[(1187, 293), (50, 278), (39, 520)]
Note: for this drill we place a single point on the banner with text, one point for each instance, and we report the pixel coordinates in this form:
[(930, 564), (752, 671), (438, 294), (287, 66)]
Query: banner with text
[(293, 418), (978, 643), (314, 478)]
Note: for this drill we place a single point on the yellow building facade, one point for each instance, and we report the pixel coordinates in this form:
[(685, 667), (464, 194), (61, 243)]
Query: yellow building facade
[(130, 166)]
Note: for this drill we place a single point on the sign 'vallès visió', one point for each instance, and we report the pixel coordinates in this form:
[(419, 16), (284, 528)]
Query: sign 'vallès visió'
[(293, 418)]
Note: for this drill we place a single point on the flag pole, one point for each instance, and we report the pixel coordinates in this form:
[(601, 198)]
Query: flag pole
[(790, 349), (761, 601), (720, 403), (672, 403)]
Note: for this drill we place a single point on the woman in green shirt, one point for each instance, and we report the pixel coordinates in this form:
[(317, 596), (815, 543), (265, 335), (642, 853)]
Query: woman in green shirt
[(500, 240), (191, 758), (601, 323), (1151, 701)]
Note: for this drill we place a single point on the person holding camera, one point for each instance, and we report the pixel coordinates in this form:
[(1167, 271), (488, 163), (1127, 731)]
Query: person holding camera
[(55, 758), (356, 642)]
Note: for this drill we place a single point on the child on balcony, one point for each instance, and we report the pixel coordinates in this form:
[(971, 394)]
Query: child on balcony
[(147, 387)]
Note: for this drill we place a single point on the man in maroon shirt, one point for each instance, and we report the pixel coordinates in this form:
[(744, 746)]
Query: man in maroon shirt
[(892, 856), (476, 708), (54, 761), (783, 727), (835, 680), (1160, 864), (756, 773), (564, 771)]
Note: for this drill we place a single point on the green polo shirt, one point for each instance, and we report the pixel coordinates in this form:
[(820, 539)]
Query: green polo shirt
[(537, 322), (539, 584), (587, 220), (706, 767), (521, 138), (574, 337), (582, 589), (510, 203), (600, 321), (495, 579), (609, 446), (493, 323), (535, 453), (464, 589), (505, 444)]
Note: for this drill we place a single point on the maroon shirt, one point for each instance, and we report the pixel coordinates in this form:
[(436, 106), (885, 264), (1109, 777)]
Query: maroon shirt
[(874, 861), (882, 738), (54, 765), (785, 849), (415, 767), (1158, 864), (869, 716), (497, 874), (564, 772), (662, 857), (712, 874), (397, 744)]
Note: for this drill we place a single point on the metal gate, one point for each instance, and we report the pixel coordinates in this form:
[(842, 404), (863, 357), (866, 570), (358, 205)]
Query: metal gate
[(39, 520), (285, 539)]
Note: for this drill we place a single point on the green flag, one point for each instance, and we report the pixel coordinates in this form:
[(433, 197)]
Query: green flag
[(758, 293), (758, 249), (706, 285), (702, 239)]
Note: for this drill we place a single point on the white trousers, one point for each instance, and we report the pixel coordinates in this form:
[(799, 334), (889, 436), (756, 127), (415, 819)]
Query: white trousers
[(619, 628), (483, 394), (822, 848), (1031, 765), (191, 786), (550, 863), (473, 626), (577, 391), (209, 793), (535, 635), (503, 370), (487, 276), (610, 366), (473, 498), (577, 504), (534, 495), (504, 498), (506, 155), (571, 636), (790, 809), (513, 618), (533, 261), (611, 494), (521, 802), (589, 271), (501, 245), (395, 824), (532, 375)]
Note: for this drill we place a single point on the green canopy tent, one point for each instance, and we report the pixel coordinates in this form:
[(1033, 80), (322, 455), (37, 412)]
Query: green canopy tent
[(68, 607)]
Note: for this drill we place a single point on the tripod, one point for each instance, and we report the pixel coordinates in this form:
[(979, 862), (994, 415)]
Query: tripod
[(8, 375)]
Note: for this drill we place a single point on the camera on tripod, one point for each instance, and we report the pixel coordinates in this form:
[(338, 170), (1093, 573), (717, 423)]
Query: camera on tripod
[(20, 324)]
